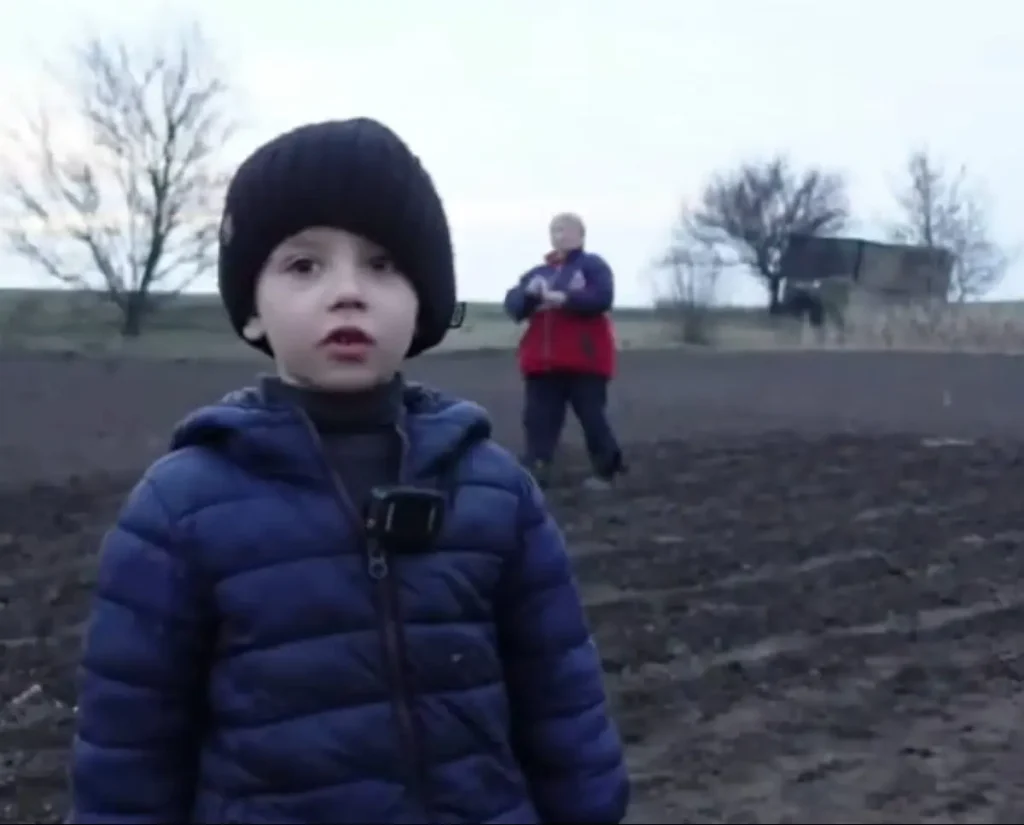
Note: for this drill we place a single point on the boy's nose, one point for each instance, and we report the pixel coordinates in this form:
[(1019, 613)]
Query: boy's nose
[(345, 286), (346, 275)]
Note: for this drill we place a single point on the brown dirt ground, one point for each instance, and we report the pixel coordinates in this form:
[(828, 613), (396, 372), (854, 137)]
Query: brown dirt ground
[(809, 609)]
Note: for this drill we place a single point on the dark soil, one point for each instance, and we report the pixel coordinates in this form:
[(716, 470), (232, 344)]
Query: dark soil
[(807, 593)]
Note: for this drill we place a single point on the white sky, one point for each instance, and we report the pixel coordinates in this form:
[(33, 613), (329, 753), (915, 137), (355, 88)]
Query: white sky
[(617, 109)]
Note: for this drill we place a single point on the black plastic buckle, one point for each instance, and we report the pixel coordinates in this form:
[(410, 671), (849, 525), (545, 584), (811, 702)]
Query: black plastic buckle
[(405, 519)]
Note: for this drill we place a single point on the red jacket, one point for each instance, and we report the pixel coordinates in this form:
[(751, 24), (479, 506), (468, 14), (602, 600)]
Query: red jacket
[(579, 335)]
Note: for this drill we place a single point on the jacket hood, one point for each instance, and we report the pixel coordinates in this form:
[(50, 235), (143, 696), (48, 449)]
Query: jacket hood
[(278, 439)]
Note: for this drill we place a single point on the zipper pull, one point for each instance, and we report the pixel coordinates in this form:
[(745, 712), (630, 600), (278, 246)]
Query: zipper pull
[(376, 561)]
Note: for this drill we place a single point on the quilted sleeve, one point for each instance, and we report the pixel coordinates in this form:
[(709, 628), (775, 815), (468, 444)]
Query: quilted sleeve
[(565, 739), (598, 294), (134, 756), (520, 305)]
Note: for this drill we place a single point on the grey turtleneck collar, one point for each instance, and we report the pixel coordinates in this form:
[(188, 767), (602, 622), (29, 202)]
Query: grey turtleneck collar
[(357, 431), (340, 412)]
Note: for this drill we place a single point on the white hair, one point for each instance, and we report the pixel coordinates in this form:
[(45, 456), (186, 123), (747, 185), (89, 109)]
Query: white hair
[(570, 217)]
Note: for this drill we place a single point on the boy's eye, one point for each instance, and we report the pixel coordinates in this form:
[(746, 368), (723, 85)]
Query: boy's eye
[(302, 266), (381, 263)]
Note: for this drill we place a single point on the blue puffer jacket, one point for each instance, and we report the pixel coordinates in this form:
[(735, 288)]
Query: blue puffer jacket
[(241, 666)]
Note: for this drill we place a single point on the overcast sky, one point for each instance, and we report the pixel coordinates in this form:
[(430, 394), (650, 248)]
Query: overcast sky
[(617, 109)]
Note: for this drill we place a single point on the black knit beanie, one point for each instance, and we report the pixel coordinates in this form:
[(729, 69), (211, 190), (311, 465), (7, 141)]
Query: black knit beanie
[(355, 175)]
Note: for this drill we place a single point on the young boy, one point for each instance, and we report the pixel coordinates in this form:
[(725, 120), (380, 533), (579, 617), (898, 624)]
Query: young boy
[(266, 646)]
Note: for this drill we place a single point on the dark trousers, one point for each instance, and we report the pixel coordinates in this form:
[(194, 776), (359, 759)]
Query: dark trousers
[(547, 397)]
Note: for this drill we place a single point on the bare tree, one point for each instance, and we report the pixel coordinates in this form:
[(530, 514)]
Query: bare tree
[(692, 270), (940, 209), (128, 209), (753, 210)]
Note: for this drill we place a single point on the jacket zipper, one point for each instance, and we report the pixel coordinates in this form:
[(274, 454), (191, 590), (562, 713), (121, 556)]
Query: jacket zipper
[(392, 638), (394, 651), (547, 327), (547, 339)]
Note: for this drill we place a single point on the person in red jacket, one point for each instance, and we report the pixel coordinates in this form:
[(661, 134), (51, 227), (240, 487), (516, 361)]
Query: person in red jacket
[(567, 354)]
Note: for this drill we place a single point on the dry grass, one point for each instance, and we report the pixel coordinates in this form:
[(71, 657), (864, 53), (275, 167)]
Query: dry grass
[(992, 328), (982, 328), (195, 328)]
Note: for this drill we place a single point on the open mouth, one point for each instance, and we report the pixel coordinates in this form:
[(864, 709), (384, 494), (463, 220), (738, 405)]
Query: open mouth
[(348, 344), (348, 337)]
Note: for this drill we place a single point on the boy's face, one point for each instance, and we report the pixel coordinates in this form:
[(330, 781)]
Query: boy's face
[(336, 312), (566, 233)]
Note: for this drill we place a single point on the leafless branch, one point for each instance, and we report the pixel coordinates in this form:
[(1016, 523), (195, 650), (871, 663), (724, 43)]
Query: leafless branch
[(753, 210), (940, 209), (124, 202), (692, 267)]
